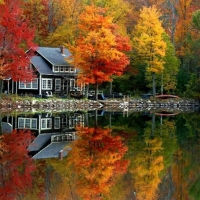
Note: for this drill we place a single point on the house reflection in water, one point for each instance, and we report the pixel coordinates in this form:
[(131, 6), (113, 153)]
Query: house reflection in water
[(53, 132)]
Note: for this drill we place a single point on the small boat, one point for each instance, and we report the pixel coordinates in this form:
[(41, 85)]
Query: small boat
[(165, 113), (166, 96)]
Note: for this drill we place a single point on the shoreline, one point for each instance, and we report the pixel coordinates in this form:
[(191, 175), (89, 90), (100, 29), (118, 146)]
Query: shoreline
[(59, 105)]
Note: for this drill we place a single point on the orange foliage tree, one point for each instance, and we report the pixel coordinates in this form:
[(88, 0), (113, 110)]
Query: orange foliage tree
[(37, 13), (97, 158), (184, 26), (16, 167), (99, 50)]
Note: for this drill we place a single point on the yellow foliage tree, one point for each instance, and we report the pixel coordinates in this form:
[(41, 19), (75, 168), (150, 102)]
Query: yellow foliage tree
[(148, 42), (66, 32), (118, 9)]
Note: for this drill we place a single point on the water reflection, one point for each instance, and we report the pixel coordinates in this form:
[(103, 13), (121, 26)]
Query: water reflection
[(97, 160), (100, 155), (16, 167)]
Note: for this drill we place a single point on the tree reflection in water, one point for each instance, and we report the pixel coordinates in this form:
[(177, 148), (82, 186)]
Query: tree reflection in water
[(16, 167), (97, 158), (163, 154)]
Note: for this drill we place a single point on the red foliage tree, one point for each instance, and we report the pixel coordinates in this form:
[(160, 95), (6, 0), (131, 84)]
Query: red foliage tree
[(16, 166), (15, 38)]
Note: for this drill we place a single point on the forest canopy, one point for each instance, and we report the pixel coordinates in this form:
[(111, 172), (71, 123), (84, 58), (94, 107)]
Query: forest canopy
[(56, 23)]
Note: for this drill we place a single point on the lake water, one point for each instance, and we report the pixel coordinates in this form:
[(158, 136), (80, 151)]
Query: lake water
[(93, 155)]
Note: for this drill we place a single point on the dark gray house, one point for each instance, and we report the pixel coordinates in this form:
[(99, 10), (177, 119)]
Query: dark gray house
[(55, 76)]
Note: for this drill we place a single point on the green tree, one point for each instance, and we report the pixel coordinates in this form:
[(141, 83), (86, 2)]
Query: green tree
[(196, 19), (168, 79)]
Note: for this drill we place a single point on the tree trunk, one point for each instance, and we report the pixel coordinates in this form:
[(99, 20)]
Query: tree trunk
[(162, 84), (96, 118), (153, 125), (1, 133), (153, 85), (1, 87), (96, 91), (110, 120), (110, 91), (86, 91)]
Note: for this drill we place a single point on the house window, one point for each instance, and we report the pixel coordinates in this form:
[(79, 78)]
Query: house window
[(72, 69), (27, 123), (65, 137), (47, 84), (66, 69), (56, 68), (46, 123), (57, 84), (57, 123), (63, 69), (29, 85)]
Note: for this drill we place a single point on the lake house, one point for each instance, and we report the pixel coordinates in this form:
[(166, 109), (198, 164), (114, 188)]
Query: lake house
[(53, 133), (54, 75)]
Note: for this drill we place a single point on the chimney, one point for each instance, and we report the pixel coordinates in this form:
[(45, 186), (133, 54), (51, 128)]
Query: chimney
[(62, 49), (61, 155)]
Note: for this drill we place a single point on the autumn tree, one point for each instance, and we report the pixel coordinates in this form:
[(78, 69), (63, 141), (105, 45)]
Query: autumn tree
[(99, 50), (96, 157), (183, 26), (196, 19), (118, 9), (187, 47), (36, 11), (67, 32), (148, 43), (167, 80), (15, 38), (16, 165)]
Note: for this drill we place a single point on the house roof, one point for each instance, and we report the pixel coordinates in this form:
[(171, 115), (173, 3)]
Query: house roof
[(54, 55), (41, 66), (6, 127), (52, 151), (40, 141)]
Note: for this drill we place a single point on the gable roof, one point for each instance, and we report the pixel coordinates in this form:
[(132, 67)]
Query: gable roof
[(40, 141), (54, 55), (52, 150), (41, 66), (45, 149), (6, 127)]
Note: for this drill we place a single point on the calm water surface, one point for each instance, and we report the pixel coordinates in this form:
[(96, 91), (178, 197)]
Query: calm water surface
[(95, 155)]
